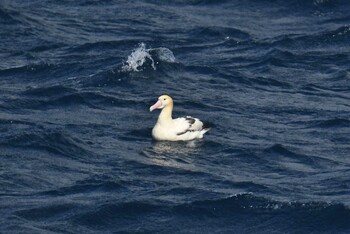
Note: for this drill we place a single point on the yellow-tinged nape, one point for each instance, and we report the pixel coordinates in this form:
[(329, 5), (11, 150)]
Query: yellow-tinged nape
[(167, 108)]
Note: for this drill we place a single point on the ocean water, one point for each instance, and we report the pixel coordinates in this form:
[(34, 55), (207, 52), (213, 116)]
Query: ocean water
[(77, 78)]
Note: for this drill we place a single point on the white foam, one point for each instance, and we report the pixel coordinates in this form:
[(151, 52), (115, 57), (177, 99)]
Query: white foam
[(164, 54), (140, 55)]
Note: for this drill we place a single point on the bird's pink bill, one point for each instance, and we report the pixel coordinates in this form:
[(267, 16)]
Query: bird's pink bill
[(156, 105)]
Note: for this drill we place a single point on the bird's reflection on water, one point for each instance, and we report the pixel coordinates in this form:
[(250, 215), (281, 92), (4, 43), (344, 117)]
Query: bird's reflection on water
[(174, 154)]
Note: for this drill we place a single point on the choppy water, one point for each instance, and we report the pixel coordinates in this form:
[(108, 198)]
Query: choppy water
[(271, 77)]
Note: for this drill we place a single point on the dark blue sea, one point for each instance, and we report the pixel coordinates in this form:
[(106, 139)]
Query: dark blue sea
[(270, 77)]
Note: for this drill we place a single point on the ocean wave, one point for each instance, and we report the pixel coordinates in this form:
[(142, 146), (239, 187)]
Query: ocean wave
[(230, 211), (323, 2), (49, 91), (211, 33), (55, 102), (318, 40), (85, 187), (26, 69), (60, 96), (54, 211), (53, 142), (292, 160), (141, 58), (108, 215), (8, 17), (104, 45), (251, 202), (333, 123), (317, 214)]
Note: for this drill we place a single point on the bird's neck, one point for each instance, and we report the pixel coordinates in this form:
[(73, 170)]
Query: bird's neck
[(166, 114)]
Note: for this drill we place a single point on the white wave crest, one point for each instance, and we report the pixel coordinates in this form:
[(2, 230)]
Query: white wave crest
[(140, 55)]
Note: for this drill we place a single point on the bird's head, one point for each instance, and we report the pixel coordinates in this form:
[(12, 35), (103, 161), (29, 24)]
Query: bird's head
[(162, 102)]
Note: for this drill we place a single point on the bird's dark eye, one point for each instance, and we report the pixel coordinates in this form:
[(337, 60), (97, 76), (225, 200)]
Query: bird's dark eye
[(164, 99)]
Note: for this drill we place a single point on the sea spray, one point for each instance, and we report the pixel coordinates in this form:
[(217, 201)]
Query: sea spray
[(141, 55)]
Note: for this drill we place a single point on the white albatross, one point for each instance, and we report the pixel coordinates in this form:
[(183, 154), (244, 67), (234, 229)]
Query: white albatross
[(180, 129)]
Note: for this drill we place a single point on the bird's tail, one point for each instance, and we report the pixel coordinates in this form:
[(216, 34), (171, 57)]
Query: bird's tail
[(203, 131)]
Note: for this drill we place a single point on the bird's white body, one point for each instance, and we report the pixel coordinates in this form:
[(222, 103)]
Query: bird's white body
[(180, 129)]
